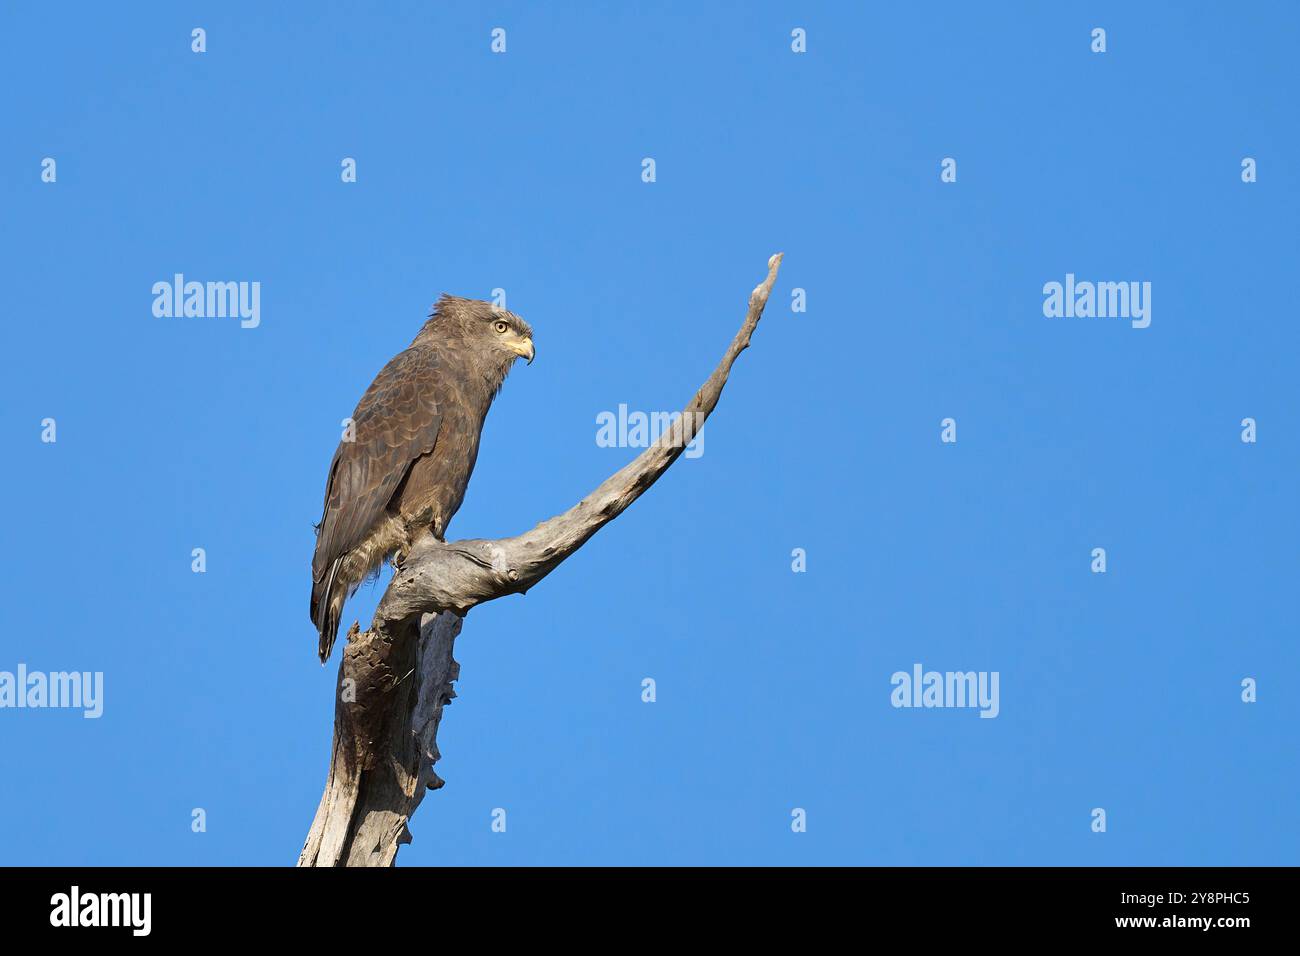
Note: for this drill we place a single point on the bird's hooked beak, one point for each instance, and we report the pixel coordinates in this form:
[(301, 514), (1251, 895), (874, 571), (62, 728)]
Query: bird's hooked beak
[(524, 347)]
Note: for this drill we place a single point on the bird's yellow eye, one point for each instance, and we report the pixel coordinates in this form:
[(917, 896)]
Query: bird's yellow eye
[(501, 327)]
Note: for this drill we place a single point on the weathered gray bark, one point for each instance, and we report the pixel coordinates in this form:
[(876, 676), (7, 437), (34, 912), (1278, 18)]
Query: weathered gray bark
[(396, 677)]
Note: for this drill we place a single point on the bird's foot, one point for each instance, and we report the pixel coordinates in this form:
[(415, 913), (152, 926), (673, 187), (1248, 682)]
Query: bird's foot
[(398, 559)]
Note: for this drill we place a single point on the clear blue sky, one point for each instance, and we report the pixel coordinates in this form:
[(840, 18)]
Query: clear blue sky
[(924, 301)]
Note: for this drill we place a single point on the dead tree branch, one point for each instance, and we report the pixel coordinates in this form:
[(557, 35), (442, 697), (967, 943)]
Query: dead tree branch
[(396, 677)]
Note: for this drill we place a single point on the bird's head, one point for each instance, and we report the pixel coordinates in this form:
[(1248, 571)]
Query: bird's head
[(511, 333), (482, 327)]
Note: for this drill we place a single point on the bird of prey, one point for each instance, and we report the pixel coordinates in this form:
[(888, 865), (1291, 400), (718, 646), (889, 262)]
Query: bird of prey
[(404, 468)]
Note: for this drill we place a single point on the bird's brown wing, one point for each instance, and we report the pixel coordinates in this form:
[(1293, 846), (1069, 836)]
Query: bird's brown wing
[(397, 421)]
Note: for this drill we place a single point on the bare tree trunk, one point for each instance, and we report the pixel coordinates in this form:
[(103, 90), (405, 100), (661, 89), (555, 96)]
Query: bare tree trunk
[(395, 678), (382, 759)]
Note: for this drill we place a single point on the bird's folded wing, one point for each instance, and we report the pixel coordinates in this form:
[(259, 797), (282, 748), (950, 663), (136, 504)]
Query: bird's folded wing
[(396, 421)]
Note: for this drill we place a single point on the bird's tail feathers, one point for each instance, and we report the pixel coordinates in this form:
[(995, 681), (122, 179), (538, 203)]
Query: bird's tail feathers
[(326, 608)]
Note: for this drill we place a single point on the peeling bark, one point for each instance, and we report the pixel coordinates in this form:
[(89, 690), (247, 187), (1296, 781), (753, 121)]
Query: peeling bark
[(396, 677)]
